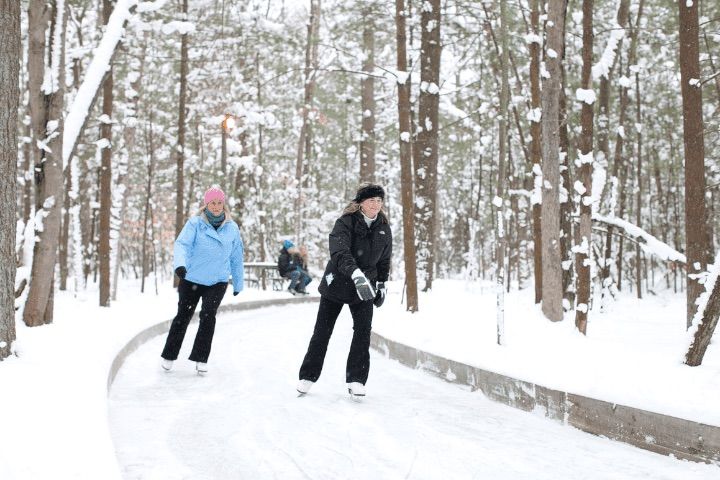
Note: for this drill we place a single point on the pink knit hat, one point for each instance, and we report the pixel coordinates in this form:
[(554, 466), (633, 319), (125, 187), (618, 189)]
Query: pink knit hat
[(214, 193)]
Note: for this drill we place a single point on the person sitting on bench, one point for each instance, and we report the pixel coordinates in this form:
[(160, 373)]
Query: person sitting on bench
[(292, 264)]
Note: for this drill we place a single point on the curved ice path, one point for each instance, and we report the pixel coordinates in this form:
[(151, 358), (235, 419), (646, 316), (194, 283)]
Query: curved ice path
[(244, 420)]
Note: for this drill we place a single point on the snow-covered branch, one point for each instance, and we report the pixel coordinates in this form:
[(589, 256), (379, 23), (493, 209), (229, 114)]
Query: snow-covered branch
[(647, 242), (100, 64)]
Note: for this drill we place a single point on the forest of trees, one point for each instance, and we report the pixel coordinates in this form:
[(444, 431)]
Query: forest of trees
[(569, 145)]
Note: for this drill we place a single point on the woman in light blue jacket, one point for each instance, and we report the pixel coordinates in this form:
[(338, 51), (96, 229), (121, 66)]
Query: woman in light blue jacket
[(208, 250)]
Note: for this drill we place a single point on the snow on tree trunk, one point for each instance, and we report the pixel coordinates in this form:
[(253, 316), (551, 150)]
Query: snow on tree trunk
[(10, 51), (406, 174), (105, 146), (49, 182), (706, 318), (583, 186), (87, 93), (695, 214), (427, 137), (552, 269)]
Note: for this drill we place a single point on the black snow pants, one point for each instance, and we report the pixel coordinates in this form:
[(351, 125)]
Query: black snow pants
[(189, 294), (358, 362)]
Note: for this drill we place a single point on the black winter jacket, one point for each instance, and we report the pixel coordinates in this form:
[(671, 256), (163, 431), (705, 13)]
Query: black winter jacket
[(354, 245), (286, 262)]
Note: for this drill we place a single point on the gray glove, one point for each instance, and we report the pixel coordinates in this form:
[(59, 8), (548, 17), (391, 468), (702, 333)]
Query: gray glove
[(364, 288)]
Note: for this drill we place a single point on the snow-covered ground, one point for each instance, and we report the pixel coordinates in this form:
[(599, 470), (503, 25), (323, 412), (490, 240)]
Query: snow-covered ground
[(632, 355), (55, 401)]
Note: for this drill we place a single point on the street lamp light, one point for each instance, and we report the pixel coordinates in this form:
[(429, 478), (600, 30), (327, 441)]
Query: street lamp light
[(227, 124)]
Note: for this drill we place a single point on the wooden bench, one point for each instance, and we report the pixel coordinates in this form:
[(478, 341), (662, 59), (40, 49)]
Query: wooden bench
[(260, 274)]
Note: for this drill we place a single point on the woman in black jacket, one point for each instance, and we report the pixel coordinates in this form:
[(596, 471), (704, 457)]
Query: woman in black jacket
[(359, 265)]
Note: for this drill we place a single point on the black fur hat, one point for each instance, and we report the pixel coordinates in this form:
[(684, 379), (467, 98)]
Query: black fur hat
[(369, 190)]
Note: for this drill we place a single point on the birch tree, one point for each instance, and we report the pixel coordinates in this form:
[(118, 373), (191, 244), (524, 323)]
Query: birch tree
[(10, 52)]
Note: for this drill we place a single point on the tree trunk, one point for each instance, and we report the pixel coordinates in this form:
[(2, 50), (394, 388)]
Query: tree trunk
[(406, 171), (618, 178), (367, 88), (48, 174), (427, 137), (498, 202), (536, 146), (10, 52), (552, 268), (105, 179), (639, 192), (708, 322), (582, 248), (149, 141), (180, 150), (313, 28), (695, 223)]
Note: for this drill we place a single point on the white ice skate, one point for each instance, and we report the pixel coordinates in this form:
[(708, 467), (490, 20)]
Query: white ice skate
[(304, 387), (356, 389), (201, 368), (166, 364)]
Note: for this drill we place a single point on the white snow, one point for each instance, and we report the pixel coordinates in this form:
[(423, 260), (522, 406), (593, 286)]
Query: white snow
[(244, 421), (603, 66), (585, 95)]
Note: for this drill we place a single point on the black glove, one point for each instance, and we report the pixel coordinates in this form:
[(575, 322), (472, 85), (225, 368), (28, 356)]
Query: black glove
[(380, 295), (180, 272), (235, 294), (364, 288)]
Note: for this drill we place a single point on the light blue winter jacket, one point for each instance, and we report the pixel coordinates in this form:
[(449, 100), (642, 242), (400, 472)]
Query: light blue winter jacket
[(210, 255)]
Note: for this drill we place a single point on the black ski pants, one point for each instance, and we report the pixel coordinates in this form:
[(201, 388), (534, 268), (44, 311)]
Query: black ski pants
[(358, 362), (189, 294)]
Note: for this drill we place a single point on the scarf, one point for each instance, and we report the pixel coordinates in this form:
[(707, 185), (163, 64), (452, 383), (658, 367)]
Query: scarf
[(215, 220)]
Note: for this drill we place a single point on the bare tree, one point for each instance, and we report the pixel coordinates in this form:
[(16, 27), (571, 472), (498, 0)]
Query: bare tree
[(149, 141), (426, 147), (10, 52), (708, 320), (536, 144), (180, 149), (367, 88), (583, 245), (46, 100), (304, 141), (501, 241), (105, 178), (552, 269), (406, 180), (695, 214)]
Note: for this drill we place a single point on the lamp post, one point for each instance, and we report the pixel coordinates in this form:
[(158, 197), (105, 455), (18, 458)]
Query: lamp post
[(227, 124)]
